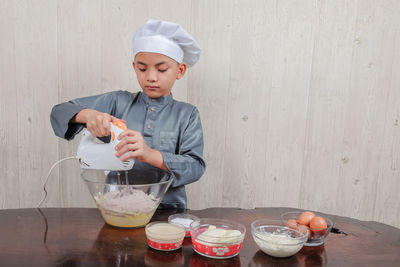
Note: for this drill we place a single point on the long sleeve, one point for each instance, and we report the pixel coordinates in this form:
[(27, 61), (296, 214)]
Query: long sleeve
[(61, 114), (188, 165)]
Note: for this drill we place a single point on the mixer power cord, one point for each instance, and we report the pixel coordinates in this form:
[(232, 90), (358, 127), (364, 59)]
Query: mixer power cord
[(48, 175)]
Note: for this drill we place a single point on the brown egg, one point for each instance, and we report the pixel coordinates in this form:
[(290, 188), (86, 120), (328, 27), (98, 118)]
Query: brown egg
[(305, 218), (303, 228), (291, 224), (318, 225), (309, 232)]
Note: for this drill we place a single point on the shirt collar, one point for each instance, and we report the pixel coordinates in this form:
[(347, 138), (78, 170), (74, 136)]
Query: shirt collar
[(163, 100)]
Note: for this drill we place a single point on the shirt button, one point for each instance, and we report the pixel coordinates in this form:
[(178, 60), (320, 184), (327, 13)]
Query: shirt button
[(152, 109), (154, 100), (148, 126)]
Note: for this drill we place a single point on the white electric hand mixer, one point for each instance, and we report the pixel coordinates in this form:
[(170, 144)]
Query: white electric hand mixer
[(94, 154)]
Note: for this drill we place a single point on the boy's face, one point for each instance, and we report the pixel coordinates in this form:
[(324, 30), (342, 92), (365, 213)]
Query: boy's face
[(157, 73)]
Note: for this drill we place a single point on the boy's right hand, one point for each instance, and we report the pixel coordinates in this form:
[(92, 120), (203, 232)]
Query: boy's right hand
[(98, 123)]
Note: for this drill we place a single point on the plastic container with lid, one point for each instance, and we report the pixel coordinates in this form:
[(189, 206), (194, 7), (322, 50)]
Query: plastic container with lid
[(165, 236), (183, 219)]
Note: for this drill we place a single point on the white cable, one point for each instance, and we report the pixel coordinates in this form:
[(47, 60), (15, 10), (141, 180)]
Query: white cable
[(48, 175)]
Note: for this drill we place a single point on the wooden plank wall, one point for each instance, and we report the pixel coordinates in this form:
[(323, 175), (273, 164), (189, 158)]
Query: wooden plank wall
[(300, 100)]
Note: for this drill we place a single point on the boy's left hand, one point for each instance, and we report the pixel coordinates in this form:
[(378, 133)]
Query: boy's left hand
[(132, 143)]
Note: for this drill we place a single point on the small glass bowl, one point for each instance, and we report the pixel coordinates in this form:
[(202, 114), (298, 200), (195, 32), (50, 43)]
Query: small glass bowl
[(165, 236), (317, 236), (183, 219), (277, 240), (223, 241)]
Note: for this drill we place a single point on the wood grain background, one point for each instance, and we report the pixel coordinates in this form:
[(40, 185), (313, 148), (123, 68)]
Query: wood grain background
[(300, 100)]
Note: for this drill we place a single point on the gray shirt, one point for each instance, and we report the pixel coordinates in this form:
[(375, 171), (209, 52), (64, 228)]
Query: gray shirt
[(172, 127)]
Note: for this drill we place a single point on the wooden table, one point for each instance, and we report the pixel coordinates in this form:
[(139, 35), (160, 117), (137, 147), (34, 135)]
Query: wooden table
[(79, 237)]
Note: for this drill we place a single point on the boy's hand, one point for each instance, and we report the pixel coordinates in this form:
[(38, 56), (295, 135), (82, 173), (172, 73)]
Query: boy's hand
[(132, 143), (98, 123)]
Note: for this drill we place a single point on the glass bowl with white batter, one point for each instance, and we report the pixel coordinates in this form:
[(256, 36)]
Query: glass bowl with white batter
[(277, 240), (127, 199)]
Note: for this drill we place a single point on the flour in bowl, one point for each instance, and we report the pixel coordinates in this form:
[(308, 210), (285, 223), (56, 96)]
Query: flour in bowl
[(129, 208)]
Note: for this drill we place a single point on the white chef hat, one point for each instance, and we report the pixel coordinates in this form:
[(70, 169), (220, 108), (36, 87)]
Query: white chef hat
[(167, 38)]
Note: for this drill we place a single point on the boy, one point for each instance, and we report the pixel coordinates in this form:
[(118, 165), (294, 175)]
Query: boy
[(162, 132)]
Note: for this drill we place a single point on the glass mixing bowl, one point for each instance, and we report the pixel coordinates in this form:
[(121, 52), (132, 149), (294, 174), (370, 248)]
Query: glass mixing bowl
[(277, 240), (317, 236), (127, 199)]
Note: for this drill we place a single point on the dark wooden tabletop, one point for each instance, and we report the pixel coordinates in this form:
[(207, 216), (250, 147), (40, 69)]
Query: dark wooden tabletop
[(79, 237)]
